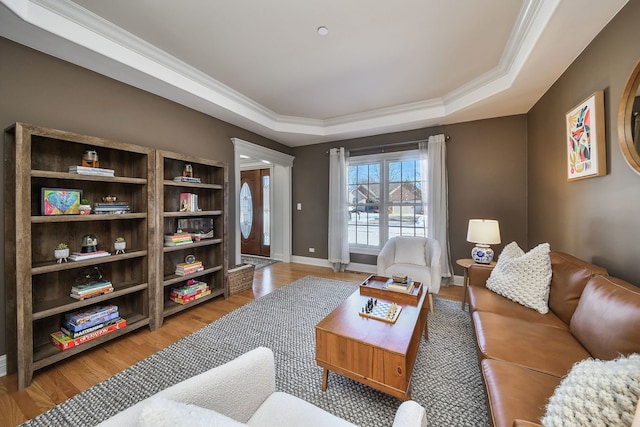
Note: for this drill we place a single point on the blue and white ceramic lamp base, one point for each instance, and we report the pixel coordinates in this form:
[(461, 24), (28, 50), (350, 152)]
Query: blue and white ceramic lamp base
[(482, 254)]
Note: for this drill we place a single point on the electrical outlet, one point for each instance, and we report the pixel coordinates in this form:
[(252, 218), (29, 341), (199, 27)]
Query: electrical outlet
[(312, 250), (299, 206)]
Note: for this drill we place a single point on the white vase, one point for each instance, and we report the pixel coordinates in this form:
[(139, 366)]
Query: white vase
[(120, 246)]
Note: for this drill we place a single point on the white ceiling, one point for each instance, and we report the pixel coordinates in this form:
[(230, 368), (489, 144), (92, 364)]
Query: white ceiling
[(384, 66)]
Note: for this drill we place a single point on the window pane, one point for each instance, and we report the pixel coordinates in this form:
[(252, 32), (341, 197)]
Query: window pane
[(246, 210), (408, 220), (409, 170), (395, 171), (404, 198), (364, 203)]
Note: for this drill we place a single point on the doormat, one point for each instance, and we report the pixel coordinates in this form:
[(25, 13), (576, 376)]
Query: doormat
[(259, 262)]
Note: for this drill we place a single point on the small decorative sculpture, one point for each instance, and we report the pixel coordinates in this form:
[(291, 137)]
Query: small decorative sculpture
[(120, 245), (61, 252), (90, 159), (89, 244), (84, 207)]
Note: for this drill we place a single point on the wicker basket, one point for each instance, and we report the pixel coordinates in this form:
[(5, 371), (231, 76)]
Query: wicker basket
[(240, 278)]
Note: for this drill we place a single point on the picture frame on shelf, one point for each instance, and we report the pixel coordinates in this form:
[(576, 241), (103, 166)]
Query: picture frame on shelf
[(60, 201), (586, 145), (201, 226)]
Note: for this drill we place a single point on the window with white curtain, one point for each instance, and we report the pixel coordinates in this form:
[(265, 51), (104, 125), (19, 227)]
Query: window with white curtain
[(385, 199)]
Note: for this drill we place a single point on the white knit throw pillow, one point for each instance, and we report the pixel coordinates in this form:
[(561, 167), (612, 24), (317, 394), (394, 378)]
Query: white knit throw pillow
[(596, 393), (158, 411), (523, 277)]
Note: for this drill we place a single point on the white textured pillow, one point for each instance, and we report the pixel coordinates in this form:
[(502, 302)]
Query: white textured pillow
[(161, 412), (410, 250), (523, 277), (596, 393)]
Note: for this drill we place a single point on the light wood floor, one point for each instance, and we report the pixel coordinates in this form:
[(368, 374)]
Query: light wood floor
[(63, 380)]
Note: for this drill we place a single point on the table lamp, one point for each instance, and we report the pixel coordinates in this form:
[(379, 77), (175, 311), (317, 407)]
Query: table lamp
[(483, 232)]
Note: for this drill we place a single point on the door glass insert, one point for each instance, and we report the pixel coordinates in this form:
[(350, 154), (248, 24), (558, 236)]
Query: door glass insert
[(246, 210), (266, 212)]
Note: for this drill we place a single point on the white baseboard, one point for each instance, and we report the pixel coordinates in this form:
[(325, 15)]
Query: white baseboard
[(3, 365), (311, 261), (365, 268), (353, 266)]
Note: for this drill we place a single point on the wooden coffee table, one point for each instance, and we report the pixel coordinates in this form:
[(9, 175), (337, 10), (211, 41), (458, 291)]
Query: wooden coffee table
[(373, 352)]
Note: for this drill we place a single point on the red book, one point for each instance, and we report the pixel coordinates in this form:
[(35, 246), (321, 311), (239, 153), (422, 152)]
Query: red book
[(185, 300), (65, 342)]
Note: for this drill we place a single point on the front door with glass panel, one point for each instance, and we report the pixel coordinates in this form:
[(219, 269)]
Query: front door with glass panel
[(255, 212)]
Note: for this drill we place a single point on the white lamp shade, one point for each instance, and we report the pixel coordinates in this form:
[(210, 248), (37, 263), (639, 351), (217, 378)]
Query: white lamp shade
[(483, 231)]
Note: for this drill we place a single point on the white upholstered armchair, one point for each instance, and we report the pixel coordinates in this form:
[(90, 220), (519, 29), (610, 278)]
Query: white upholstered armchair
[(416, 257), (240, 393)]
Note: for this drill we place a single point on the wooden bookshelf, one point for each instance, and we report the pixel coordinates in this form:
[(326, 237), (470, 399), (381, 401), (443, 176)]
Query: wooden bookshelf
[(213, 199), (37, 286)]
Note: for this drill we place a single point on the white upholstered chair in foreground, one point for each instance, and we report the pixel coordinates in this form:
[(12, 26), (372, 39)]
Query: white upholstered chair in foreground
[(241, 392), (416, 257)]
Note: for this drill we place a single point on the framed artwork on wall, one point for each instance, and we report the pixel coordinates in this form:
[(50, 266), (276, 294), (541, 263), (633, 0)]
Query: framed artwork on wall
[(586, 146)]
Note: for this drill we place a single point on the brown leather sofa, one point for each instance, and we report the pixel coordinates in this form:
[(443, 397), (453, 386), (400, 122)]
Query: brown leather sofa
[(524, 354)]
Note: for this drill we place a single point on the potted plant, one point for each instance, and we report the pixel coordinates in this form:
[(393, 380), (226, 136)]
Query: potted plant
[(61, 252), (120, 245), (84, 207)]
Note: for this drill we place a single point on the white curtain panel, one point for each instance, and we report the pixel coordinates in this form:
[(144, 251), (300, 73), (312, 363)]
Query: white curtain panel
[(434, 178), (338, 214)]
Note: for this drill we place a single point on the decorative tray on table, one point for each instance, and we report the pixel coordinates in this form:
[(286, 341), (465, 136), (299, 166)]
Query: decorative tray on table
[(378, 287)]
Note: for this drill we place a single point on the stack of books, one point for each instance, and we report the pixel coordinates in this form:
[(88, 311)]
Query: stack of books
[(189, 202), (81, 256), (92, 289), (82, 326), (185, 268), (190, 291), (406, 287), (177, 239), (187, 179), (111, 208), (85, 170)]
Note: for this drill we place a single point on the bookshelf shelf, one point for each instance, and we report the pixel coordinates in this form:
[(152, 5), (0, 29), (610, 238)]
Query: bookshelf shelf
[(64, 304), (76, 177), (191, 214), (187, 185), (52, 266), (47, 354), (39, 219), (171, 307), (206, 242), (172, 279)]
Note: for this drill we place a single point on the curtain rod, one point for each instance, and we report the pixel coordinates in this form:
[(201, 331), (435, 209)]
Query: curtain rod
[(397, 144)]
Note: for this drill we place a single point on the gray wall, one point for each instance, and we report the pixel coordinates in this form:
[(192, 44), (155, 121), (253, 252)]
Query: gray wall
[(480, 155), (39, 89), (594, 219)]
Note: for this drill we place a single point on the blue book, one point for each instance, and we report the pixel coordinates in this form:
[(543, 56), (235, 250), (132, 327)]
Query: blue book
[(70, 326)]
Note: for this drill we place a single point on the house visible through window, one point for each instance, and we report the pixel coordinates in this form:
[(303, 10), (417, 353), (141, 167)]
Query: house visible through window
[(385, 199)]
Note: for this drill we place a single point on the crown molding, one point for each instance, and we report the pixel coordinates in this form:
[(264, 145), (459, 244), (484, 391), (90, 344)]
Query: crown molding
[(167, 76)]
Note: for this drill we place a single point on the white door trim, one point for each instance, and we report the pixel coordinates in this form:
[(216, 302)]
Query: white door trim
[(281, 200)]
